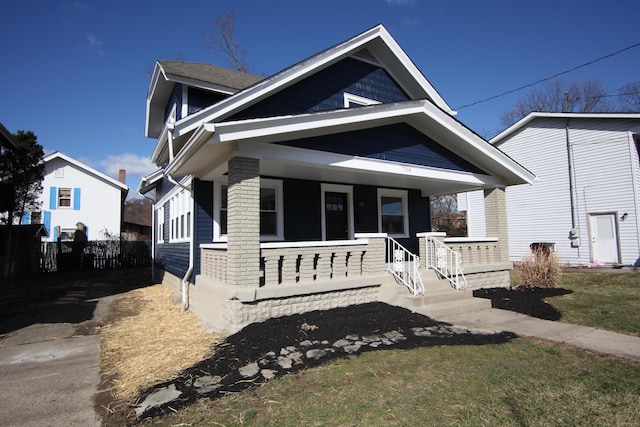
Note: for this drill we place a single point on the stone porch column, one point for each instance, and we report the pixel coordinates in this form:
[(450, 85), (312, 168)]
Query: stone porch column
[(243, 222), (495, 203)]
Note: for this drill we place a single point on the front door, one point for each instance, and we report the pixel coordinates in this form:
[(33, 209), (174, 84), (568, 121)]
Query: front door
[(604, 238), (336, 215)]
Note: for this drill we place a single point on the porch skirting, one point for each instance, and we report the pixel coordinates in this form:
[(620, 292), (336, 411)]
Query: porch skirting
[(221, 311)]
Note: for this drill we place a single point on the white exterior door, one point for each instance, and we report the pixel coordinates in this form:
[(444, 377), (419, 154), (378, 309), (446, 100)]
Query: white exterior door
[(604, 238)]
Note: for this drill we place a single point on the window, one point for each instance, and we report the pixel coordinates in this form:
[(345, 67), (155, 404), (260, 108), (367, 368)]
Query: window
[(271, 210), (351, 100), (64, 197), (393, 218), (67, 234), (160, 212), (180, 216)]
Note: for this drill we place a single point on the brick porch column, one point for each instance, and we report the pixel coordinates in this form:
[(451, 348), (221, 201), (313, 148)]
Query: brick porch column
[(243, 222), (495, 203)]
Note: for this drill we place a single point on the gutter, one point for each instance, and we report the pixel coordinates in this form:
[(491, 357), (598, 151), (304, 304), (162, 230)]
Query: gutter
[(187, 275), (153, 237)]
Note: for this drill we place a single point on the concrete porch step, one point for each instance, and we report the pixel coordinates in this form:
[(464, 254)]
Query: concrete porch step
[(439, 298)]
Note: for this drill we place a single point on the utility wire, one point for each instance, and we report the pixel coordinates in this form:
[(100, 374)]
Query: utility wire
[(549, 78)]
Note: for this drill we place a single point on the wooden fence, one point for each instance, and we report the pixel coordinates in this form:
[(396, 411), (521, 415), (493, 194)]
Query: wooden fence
[(97, 254)]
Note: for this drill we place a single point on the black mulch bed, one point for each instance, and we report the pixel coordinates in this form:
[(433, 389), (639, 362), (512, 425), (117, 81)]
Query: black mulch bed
[(529, 301), (317, 329)]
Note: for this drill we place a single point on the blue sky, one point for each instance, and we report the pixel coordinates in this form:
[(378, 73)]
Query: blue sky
[(76, 71)]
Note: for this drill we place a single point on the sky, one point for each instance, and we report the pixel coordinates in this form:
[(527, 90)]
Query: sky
[(76, 72)]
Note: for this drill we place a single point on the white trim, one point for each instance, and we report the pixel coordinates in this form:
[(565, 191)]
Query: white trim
[(312, 244), (370, 235), (404, 197), (359, 100), (264, 183), (335, 188), (86, 168), (159, 213), (180, 213), (184, 182), (470, 239)]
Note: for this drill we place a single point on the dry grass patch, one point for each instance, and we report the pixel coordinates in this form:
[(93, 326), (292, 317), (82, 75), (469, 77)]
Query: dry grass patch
[(151, 341)]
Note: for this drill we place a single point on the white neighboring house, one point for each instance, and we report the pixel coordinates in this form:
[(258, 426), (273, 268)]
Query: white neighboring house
[(74, 192), (585, 199)]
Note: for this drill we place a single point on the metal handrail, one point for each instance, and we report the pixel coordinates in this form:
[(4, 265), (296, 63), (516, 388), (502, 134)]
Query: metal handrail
[(405, 266), (445, 261)]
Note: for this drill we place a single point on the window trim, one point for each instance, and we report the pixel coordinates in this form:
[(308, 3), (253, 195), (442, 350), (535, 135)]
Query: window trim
[(180, 204), (337, 188), (404, 196), (275, 184), (71, 202), (161, 224), (360, 101)]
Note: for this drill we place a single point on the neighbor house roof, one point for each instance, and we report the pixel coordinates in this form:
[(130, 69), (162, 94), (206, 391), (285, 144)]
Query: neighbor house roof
[(88, 169), (523, 122)]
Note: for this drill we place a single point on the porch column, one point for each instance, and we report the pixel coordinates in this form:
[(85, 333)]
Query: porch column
[(495, 203), (243, 222)]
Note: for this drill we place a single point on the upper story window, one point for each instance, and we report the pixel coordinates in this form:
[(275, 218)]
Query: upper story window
[(64, 197), (271, 210), (351, 100), (393, 217)]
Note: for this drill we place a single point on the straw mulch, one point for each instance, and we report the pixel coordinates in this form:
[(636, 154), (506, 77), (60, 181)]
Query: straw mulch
[(151, 340)]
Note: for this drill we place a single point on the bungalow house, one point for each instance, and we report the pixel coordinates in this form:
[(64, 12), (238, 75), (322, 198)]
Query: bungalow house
[(309, 189), (585, 201), (74, 192)]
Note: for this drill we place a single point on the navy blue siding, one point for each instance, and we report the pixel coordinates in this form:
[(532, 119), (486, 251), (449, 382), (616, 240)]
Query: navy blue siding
[(199, 99), (173, 258), (174, 99), (397, 143), (365, 201), (203, 218), (325, 90)]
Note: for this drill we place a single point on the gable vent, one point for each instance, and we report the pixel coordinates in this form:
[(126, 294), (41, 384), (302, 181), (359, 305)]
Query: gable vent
[(365, 55)]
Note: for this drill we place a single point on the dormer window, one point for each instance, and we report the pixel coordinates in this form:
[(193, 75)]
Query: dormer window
[(351, 100)]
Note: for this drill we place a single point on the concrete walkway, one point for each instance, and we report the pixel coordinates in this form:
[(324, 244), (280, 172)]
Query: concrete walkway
[(584, 337)]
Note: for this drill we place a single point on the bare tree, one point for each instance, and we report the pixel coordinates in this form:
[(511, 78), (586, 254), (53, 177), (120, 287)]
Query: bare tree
[(222, 41), (557, 96), (445, 216), (629, 98)]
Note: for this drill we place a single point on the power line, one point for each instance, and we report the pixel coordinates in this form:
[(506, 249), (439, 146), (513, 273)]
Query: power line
[(550, 78)]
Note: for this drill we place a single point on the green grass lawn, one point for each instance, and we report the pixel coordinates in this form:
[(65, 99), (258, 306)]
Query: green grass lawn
[(603, 300), (521, 383)]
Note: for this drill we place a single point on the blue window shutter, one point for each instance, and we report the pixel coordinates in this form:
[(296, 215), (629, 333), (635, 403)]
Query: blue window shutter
[(56, 233), (76, 199), (86, 231), (26, 215), (47, 222), (53, 198)]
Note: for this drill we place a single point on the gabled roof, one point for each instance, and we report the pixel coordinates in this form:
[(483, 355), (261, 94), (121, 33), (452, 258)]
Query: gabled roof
[(374, 45), (195, 74), (213, 142), (148, 183), (87, 169), (525, 121)]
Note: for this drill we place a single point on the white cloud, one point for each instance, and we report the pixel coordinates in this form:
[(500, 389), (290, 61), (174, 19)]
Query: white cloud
[(93, 42), (136, 166), (82, 8)]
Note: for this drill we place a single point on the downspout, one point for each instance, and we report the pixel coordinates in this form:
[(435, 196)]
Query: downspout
[(574, 234), (187, 275)]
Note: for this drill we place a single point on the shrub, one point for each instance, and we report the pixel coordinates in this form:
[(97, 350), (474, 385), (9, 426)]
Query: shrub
[(540, 270)]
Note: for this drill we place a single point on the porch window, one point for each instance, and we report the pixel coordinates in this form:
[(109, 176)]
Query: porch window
[(271, 210), (393, 217), (160, 213), (180, 214)]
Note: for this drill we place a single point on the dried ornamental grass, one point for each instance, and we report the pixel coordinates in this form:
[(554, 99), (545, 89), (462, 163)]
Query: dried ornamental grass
[(153, 343)]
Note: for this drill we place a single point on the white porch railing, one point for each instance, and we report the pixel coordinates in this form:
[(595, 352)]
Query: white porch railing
[(446, 262), (405, 266)]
